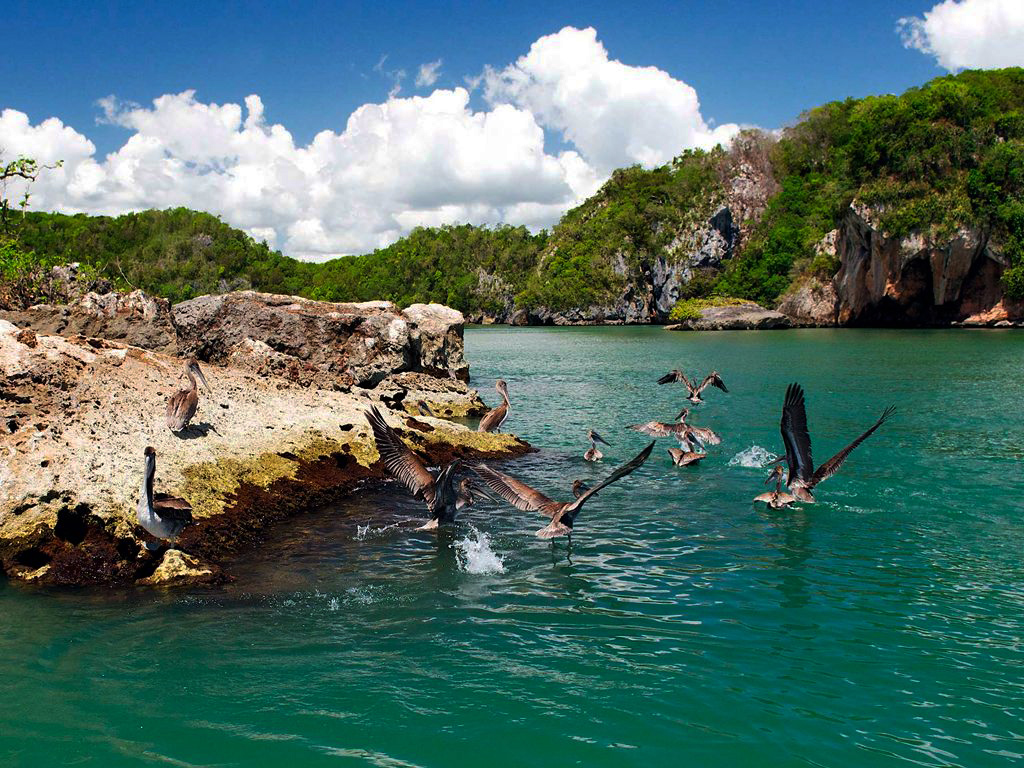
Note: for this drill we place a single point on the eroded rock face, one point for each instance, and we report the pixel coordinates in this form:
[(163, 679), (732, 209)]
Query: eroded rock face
[(812, 303), (916, 279), (743, 317), (76, 414), (134, 318), (320, 343)]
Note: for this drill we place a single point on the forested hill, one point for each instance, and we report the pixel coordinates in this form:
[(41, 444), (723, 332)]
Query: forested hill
[(747, 222)]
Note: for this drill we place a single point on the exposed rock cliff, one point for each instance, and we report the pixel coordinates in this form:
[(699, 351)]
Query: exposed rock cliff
[(76, 413)]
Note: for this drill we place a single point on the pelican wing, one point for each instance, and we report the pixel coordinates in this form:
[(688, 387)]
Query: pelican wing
[(446, 491), (832, 466), (671, 376), (714, 379), (630, 466), (493, 419), (518, 494), (400, 461), (655, 428), (181, 407), (795, 435), (703, 435), (172, 508)]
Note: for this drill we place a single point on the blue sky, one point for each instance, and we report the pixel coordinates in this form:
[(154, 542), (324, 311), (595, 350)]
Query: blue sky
[(750, 62), (215, 106)]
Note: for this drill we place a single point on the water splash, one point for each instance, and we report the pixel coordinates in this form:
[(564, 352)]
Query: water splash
[(755, 457), (476, 556), (364, 532)]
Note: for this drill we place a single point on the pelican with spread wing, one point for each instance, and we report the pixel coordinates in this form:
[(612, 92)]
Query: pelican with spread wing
[(441, 494), (777, 499), (803, 477), (686, 434), (712, 379), (562, 513)]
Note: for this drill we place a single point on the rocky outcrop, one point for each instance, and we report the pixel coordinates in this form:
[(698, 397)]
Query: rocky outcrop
[(741, 317), (76, 413), (811, 303), (134, 318), (322, 344), (918, 279)]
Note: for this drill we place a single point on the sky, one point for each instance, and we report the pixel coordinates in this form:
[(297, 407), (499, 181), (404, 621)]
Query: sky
[(334, 128)]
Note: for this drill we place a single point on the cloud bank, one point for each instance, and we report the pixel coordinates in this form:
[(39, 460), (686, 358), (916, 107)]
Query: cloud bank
[(421, 160), (969, 34)]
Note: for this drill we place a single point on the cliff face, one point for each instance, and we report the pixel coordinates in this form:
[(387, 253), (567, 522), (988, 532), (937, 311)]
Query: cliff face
[(911, 280)]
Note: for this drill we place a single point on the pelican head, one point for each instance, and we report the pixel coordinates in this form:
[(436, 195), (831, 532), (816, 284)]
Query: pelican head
[(596, 438), (578, 488), (193, 368), (502, 387), (682, 415), (775, 474), (466, 492)]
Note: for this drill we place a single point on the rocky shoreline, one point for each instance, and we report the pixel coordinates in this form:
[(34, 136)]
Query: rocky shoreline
[(283, 431)]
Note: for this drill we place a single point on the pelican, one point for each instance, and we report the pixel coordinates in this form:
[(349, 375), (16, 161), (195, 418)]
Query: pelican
[(803, 477), (562, 513), (442, 496), (686, 454), (495, 417), (182, 405), (594, 454), (161, 515), (777, 499), (683, 432), (578, 487), (694, 397)]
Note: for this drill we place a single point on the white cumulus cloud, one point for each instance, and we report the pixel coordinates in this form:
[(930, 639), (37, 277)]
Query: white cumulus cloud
[(428, 74), (405, 162), (969, 34)]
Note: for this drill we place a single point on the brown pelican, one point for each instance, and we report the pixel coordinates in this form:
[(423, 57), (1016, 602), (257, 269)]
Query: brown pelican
[(182, 405), (442, 496), (578, 487), (495, 417), (803, 477), (163, 516), (594, 454), (694, 397), (686, 455), (777, 499), (680, 430), (562, 513)]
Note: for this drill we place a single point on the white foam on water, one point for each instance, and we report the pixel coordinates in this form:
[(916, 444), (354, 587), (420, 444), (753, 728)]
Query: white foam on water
[(755, 457), (476, 556), (367, 531)]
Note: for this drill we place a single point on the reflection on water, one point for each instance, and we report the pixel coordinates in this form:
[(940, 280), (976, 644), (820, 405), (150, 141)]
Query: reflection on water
[(880, 626)]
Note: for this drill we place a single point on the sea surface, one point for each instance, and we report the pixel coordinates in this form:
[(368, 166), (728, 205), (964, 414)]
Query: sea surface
[(882, 626)]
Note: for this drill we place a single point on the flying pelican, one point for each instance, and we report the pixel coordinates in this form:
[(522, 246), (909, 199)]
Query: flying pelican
[(442, 496), (182, 405), (777, 499), (594, 454), (562, 513), (163, 516), (803, 477), (694, 397), (495, 417), (680, 430)]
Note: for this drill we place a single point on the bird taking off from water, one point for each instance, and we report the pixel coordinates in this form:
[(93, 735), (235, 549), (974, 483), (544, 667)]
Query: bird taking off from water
[(680, 430), (686, 454), (441, 495), (694, 397), (495, 417), (562, 513), (803, 477), (161, 515), (594, 453), (183, 404), (777, 499)]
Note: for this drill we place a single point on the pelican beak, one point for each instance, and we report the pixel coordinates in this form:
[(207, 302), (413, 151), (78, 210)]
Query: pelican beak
[(202, 378), (600, 439)]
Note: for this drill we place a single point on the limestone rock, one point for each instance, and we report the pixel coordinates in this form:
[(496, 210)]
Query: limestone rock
[(178, 569), (742, 317), (811, 303), (134, 318)]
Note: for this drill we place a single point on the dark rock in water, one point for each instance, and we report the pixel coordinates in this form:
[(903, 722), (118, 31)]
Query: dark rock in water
[(133, 318), (742, 317), (321, 343)]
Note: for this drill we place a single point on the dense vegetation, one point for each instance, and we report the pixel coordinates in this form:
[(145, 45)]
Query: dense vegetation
[(947, 154)]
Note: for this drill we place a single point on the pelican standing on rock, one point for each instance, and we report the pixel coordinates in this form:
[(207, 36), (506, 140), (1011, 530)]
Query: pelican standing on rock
[(803, 477), (183, 404), (680, 430), (777, 499), (443, 498), (495, 417), (562, 513), (161, 515), (594, 453), (694, 397)]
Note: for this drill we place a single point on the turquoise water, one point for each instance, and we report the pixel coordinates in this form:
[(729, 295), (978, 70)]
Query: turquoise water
[(882, 626)]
